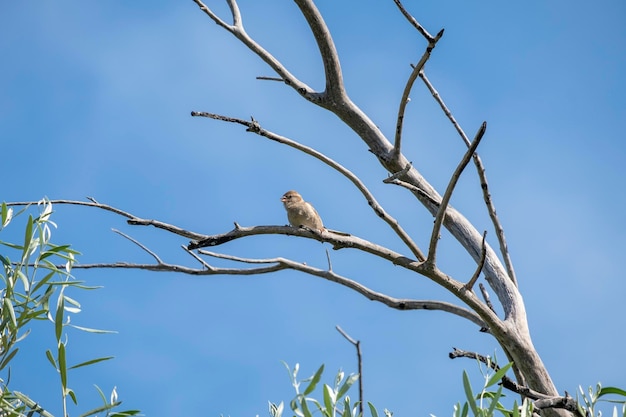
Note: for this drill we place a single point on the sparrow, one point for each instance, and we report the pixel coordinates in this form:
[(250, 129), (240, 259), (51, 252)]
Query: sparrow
[(300, 213)]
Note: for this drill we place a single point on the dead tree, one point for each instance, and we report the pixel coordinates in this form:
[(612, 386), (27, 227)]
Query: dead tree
[(510, 329)]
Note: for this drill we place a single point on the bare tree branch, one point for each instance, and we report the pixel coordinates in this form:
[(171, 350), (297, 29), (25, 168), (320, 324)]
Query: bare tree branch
[(239, 32), (330, 264), (565, 403), (414, 22), (486, 297), (378, 144), (479, 268), (481, 315), (409, 86), (254, 127), (512, 332), (506, 381), (338, 242), (197, 258), (412, 188), (434, 238), (504, 250), (357, 345), (328, 52), (278, 264), (154, 255), (132, 219)]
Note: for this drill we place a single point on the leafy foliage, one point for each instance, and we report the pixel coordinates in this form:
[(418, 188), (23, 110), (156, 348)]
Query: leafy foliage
[(592, 398), (486, 402), (334, 403), (31, 281)]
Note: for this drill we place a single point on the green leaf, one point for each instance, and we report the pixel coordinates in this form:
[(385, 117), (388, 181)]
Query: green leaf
[(104, 398), (7, 215), (8, 358), (43, 281), (329, 398), (495, 378), (32, 404), (465, 410), (11, 245), (101, 409), (8, 307), (347, 411), (304, 407), (58, 318), (28, 236), (294, 404), (346, 385), (126, 413), (25, 281), (338, 379), (62, 365), (51, 359), (469, 394), (372, 409), (92, 361), (611, 390), (494, 401), (54, 249), (515, 409), (72, 395), (314, 380), (460, 411)]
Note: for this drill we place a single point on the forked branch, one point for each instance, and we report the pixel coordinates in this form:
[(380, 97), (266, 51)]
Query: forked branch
[(328, 52), (434, 238), (504, 250), (237, 29)]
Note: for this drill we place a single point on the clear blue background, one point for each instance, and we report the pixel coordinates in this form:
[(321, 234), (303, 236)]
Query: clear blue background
[(95, 100)]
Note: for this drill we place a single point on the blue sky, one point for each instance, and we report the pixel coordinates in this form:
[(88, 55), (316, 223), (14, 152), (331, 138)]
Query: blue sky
[(95, 100)]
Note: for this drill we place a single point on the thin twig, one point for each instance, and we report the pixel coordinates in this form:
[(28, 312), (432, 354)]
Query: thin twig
[(413, 21), (236, 258), (264, 78), (197, 258), (154, 255), (483, 181), (357, 344), (486, 297), (254, 127), (434, 238), (401, 173), (132, 219), (237, 29), (330, 264), (479, 268), (407, 91), (413, 189)]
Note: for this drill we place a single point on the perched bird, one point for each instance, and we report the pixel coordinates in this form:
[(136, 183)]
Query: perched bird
[(300, 213)]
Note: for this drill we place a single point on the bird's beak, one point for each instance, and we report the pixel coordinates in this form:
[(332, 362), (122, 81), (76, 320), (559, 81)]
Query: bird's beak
[(283, 199)]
